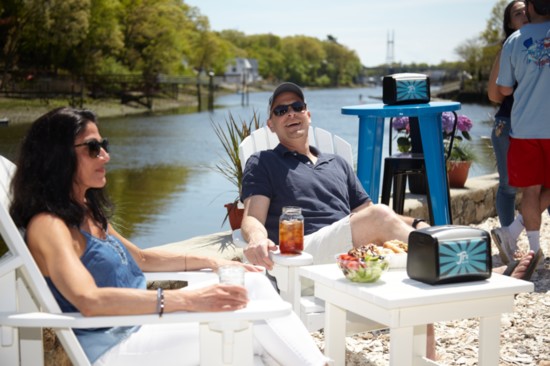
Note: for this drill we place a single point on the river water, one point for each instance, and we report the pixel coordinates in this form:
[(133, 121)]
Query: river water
[(161, 173)]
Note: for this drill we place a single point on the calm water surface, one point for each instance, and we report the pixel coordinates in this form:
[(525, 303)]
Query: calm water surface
[(161, 173)]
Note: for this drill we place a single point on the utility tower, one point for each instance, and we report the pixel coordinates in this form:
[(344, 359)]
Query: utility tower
[(390, 55)]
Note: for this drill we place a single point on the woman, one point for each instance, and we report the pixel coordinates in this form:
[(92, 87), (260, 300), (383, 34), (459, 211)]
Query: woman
[(514, 18), (59, 198)]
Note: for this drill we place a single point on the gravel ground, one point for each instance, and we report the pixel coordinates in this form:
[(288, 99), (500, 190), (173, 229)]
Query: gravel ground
[(525, 333)]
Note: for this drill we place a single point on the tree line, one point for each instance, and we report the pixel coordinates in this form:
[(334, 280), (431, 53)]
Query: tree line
[(152, 37)]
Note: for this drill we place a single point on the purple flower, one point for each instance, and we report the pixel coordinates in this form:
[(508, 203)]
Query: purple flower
[(401, 123), (447, 122)]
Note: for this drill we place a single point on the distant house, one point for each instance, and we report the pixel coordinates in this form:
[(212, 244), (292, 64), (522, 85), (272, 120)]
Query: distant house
[(242, 69)]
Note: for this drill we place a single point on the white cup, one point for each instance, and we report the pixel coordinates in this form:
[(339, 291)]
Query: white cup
[(231, 274)]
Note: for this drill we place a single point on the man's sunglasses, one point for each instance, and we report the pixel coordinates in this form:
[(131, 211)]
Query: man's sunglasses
[(282, 109), (94, 147)]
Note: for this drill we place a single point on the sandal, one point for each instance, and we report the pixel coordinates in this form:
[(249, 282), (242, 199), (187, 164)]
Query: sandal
[(530, 268), (533, 265)]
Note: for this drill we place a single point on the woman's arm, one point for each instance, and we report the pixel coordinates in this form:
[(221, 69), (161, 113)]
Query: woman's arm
[(57, 250), (161, 260)]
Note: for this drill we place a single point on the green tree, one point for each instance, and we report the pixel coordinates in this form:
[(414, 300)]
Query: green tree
[(153, 35), (100, 51), (479, 53), (342, 65), (303, 58), (50, 32)]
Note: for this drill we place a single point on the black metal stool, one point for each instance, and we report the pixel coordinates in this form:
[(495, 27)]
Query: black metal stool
[(396, 170), (400, 166)]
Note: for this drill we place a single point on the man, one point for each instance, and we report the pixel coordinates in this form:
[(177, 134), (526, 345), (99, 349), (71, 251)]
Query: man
[(337, 211), (525, 60)]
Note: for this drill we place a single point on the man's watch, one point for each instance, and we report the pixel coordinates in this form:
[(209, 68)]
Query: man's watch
[(416, 222)]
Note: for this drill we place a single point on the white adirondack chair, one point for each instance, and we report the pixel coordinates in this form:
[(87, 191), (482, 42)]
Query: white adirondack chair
[(310, 309), (27, 305)]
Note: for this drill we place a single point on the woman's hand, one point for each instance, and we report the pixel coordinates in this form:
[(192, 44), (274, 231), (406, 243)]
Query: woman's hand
[(219, 297)]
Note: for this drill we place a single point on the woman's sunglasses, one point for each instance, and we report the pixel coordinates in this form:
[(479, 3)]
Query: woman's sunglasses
[(282, 109), (94, 147)]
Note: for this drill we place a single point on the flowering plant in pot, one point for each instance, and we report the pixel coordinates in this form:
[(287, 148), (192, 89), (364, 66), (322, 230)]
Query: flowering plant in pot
[(460, 152), (231, 133), (463, 125)]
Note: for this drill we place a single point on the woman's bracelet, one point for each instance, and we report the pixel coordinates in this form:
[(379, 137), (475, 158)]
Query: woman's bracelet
[(416, 222), (160, 301)]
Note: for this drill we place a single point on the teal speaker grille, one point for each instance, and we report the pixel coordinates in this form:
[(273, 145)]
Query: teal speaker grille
[(462, 257)]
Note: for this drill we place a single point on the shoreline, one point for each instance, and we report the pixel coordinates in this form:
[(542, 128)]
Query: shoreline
[(24, 111)]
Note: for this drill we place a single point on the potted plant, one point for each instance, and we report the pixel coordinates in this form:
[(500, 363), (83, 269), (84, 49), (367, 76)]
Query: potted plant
[(461, 156), (459, 163), (231, 133)]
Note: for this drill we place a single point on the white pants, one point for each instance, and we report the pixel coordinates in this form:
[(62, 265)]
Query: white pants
[(283, 341)]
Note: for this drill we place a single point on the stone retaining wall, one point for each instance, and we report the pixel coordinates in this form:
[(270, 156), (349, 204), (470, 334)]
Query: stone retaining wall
[(469, 205)]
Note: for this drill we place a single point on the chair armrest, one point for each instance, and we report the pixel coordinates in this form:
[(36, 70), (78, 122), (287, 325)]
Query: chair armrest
[(303, 259), (256, 310), (191, 276)]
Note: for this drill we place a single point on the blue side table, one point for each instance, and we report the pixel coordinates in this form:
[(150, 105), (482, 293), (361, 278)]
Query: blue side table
[(371, 134)]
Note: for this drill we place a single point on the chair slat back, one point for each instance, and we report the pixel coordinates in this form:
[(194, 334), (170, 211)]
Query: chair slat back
[(20, 259), (263, 139)]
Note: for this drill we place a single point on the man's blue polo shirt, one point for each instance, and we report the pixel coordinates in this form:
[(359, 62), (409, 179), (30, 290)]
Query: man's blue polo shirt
[(326, 191)]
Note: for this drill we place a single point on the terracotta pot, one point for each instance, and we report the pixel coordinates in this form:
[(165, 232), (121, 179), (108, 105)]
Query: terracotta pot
[(235, 215), (457, 172)]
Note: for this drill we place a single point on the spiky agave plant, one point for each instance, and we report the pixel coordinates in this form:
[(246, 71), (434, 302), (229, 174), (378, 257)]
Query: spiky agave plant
[(231, 133)]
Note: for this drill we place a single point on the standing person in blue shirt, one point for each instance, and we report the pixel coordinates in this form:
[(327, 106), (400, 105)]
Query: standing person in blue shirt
[(525, 62), (514, 18)]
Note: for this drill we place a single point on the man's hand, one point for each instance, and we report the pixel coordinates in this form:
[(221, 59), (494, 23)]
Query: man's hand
[(257, 252)]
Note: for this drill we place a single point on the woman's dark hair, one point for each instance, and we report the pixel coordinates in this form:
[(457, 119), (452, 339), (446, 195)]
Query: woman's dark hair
[(46, 167), (508, 18)]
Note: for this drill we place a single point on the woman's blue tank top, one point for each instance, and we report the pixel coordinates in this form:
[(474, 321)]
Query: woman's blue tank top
[(111, 265)]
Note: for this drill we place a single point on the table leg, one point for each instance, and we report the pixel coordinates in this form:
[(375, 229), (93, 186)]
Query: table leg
[(335, 334), (489, 340), (436, 171), (402, 344), (369, 155)]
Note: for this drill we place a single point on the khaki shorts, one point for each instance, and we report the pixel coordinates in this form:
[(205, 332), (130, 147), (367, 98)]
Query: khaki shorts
[(329, 241)]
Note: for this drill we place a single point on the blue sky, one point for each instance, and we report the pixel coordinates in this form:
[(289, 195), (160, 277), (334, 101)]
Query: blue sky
[(424, 30)]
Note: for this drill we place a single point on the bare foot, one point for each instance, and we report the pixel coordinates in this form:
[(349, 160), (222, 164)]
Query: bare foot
[(520, 269)]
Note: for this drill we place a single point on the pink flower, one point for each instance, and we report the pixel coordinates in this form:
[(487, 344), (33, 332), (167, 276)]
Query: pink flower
[(464, 123)]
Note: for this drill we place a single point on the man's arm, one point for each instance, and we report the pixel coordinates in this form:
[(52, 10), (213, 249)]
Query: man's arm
[(254, 232)]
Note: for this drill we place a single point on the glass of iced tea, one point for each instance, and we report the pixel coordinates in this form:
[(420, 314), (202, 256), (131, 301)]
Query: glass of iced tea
[(291, 230)]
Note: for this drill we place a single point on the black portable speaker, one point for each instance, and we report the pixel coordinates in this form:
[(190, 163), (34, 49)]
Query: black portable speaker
[(405, 88), (446, 254)]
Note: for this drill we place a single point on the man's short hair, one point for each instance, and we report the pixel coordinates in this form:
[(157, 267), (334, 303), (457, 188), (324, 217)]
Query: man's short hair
[(542, 7), (282, 88)]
